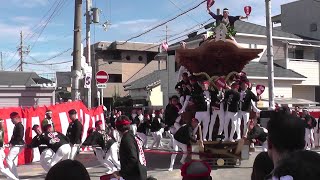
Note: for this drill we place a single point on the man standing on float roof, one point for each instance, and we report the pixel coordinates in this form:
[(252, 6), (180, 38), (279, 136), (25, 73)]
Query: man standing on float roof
[(225, 18)]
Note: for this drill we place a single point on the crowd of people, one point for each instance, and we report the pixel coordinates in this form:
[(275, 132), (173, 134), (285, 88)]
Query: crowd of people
[(119, 145)]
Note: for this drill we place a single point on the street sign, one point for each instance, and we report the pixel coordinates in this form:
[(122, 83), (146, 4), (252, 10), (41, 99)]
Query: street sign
[(101, 86), (87, 80), (102, 77)]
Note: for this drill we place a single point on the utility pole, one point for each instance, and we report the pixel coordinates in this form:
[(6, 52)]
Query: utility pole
[(21, 52), (88, 44), (1, 61), (76, 68), (270, 55)]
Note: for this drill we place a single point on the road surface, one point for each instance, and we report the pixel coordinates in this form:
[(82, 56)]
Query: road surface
[(157, 167)]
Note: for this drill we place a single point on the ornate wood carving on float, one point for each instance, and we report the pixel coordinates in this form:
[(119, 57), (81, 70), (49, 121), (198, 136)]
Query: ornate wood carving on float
[(216, 58)]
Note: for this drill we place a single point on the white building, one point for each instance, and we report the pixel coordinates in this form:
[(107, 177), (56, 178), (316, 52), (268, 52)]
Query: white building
[(300, 17), (296, 68), (25, 89)]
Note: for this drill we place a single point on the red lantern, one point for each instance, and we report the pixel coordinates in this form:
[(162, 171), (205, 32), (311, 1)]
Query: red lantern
[(260, 89), (247, 10), (164, 46), (210, 3)]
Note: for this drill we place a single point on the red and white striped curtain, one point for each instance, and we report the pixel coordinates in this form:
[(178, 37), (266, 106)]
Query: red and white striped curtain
[(32, 116)]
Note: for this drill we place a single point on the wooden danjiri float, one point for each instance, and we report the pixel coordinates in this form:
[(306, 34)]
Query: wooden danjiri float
[(218, 57)]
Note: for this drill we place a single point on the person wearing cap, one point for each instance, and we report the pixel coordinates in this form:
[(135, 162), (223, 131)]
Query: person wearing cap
[(246, 98), (16, 142), (47, 119), (74, 133), (231, 106), (5, 171), (107, 152), (132, 159), (182, 138), (310, 123), (196, 170), (216, 105), (225, 18)]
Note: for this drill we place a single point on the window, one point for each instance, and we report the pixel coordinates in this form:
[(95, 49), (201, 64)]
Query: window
[(296, 53), (313, 27), (115, 78)]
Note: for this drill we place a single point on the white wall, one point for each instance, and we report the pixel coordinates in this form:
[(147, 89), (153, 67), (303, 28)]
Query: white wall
[(304, 92), (296, 17), (311, 70), (156, 96)]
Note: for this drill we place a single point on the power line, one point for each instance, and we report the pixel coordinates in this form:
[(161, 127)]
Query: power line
[(40, 22), (54, 13), (182, 11), (163, 23), (180, 34), (39, 64)]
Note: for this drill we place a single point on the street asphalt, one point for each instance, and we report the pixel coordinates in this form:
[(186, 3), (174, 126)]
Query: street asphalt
[(157, 167)]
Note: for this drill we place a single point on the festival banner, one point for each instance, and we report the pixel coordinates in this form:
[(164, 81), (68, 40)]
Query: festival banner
[(61, 120)]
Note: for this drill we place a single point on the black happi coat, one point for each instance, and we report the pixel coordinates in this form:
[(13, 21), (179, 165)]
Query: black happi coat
[(17, 136), (171, 114), (54, 140), (231, 99), (99, 138), (74, 132), (156, 124), (216, 99), (143, 126), (257, 133), (182, 89), (131, 168), (37, 141), (246, 101), (310, 122), (184, 135)]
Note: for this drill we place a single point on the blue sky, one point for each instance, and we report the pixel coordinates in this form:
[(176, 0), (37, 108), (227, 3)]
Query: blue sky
[(128, 18)]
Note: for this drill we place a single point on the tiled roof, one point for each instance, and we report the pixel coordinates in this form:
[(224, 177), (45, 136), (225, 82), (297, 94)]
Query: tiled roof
[(148, 81), (260, 69), (19, 78)]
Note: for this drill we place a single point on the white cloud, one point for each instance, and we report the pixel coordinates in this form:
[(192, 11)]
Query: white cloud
[(11, 33), (23, 19), (133, 23), (29, 3)]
